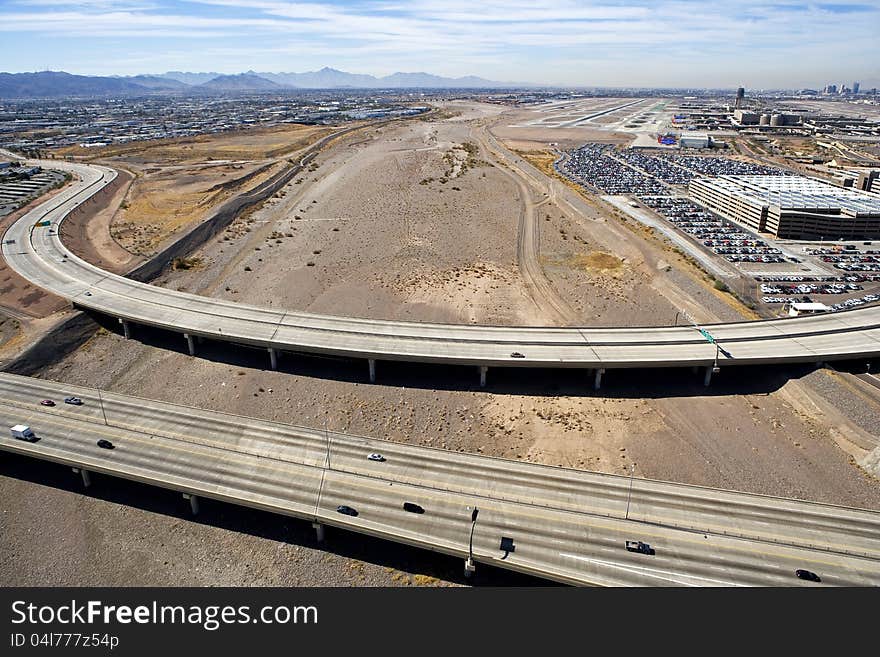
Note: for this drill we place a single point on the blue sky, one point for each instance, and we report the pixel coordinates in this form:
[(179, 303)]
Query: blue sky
[(578, 42)]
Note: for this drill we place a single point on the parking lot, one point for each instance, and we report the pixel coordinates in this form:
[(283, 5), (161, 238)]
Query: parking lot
[(19, 185), (718, 235), (640, 172), (849, 259), (782, 274), (594, 166)]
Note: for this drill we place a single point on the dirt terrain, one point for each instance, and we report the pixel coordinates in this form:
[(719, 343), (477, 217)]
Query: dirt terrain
[(421, 221), (177, 183)]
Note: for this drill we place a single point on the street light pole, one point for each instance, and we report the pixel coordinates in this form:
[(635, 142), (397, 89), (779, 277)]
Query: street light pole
[(632, 470), (469, 564)]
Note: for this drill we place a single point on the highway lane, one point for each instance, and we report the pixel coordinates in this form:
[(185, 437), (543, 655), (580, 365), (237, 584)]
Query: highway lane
[(39, 255), (700, 534), (750, 516)]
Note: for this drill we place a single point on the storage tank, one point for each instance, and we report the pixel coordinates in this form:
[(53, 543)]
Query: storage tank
[(765, 119), (776, 120)]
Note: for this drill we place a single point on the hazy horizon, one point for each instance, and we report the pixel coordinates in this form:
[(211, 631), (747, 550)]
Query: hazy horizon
[(644, 43)]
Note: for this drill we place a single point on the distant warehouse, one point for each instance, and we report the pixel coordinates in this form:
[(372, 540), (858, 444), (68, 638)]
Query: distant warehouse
[(791, 207)]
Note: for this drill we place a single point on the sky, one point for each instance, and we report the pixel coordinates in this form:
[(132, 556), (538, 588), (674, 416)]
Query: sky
[(642, 43)]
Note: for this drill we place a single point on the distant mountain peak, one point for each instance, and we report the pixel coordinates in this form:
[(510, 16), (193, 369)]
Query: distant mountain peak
[(239, 82), (45, 84)]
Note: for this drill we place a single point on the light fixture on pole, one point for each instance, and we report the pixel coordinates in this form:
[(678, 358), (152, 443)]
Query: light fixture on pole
[(632, 470), (469, 564)]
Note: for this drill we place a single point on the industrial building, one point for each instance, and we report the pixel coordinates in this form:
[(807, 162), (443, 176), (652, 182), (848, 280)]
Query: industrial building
[(766, 119), (695, 140), (791, 207)]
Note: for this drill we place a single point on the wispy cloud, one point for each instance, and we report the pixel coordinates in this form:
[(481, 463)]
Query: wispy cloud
[(513, 39)]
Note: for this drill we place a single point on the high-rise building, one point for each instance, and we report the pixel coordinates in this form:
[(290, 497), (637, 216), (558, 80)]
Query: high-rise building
[(831, 89), (855, 87), (740, 94)]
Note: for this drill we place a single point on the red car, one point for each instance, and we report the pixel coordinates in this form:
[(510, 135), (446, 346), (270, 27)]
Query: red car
[(47, 402)]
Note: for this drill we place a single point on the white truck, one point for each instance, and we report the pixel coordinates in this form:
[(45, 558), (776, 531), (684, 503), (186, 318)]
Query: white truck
[(22, 432)]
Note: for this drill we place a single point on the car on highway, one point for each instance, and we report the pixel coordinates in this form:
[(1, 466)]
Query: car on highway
[(638, 546), (376, 457), (75, 401), (346, 510), (105, 444), (412, 507), (808, 575), (47, 402)]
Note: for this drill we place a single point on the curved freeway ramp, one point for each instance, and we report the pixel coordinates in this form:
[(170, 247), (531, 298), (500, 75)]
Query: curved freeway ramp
[(37, 253)]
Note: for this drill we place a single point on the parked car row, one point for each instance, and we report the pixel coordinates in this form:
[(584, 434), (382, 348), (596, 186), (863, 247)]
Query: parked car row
[(722, 166), (787, 278), (843, 305), (853, 303), (856, 262), (810, 288), (842, 250)]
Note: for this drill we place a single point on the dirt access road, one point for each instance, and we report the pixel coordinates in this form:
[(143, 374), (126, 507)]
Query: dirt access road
[(528, 237)]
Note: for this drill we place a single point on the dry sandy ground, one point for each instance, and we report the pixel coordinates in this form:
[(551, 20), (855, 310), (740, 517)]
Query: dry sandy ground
[(387, 238), (89, 236), (179, 182), (400, 223)]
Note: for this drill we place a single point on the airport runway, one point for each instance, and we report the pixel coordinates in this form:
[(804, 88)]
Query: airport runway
[(565, 525), (36, 252)]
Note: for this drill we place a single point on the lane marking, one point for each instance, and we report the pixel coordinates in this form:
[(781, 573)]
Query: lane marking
[(652, 572)]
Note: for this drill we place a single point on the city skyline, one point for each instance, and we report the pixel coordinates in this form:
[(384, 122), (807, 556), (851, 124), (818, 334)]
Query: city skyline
[(547, 42)]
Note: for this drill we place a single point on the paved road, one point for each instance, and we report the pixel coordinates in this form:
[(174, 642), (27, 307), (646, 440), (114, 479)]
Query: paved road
[(38, 254), (566, 525)]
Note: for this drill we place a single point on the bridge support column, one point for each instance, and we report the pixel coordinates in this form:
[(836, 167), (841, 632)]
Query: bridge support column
[(483, 371), (707, 379), (319, 531), (273, 358), (126, 328), (193, 503), (87, 479), (597, 382), (190, 343), (372, 363), (469, 567)]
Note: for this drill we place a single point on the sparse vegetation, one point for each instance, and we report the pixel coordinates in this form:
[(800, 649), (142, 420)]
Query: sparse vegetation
[(179, 264)]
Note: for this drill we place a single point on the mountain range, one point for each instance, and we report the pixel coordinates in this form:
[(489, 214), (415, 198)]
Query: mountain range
[(45, 84)]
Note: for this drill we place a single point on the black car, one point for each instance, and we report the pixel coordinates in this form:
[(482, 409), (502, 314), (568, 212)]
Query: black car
[(346, 510), (808, 575), (106, 444), (412, 508)]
